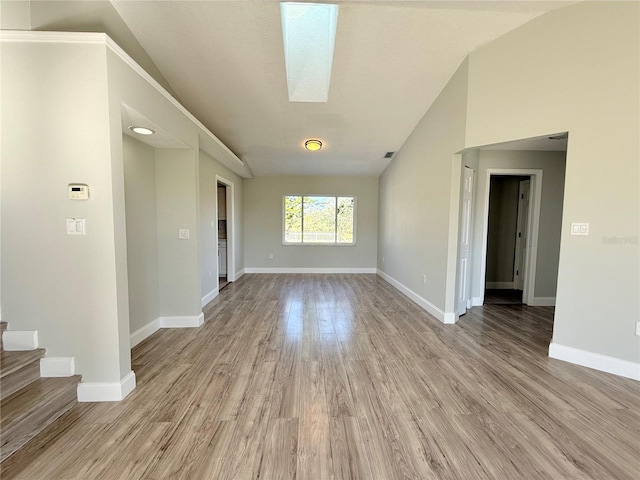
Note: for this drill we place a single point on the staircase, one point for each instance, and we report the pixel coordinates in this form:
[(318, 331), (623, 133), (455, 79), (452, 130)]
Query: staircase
[(29, 403)]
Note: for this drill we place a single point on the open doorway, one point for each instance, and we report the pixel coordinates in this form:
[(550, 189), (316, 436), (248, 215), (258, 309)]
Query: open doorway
[(222, 236), (225, 238), (507, 235)]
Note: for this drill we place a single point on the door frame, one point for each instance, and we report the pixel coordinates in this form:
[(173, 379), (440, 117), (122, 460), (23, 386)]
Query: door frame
[(533, 225), (231, 263), (466, 281)]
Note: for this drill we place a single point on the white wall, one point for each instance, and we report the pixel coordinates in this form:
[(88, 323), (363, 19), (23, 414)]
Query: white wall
[(576, 69), (416, 195), (178, 208), (142, 232), (55, 131), (552, 165), (209, 168), (263, 203)]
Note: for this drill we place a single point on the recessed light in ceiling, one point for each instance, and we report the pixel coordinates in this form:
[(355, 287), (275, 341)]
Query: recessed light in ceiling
[(142, 130), (309, 33), (313, 145)]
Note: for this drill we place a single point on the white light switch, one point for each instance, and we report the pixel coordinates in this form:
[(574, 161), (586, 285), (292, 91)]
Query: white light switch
[(75, 226), (579, 229), (183, 234)]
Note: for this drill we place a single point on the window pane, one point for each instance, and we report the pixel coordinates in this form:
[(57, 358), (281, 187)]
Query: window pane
[(319, 220), (293, 219), (345, 219)]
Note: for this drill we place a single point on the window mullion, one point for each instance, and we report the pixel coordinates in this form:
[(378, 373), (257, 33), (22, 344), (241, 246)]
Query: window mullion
[(302, 220)]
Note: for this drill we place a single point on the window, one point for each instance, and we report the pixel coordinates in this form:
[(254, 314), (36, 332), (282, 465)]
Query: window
[(319, 220)]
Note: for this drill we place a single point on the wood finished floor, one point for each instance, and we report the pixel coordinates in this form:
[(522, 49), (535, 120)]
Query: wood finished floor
[(340, 376)]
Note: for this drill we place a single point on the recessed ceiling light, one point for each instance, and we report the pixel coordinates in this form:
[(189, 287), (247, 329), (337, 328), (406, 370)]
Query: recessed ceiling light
[(313, 145), (142, 130)]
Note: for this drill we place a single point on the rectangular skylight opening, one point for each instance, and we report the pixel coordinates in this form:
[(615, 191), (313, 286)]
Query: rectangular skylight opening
[(309, 33)]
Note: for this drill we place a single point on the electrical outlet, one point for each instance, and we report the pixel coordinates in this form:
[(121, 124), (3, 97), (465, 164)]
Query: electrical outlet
[(424, 279), (271, 256), (209, 273), (383, 259), (638, 328)]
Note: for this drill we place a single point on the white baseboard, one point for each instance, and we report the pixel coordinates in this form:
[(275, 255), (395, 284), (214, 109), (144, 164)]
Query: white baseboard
[(17, 340), (57, 367), (165, 322), (144, 332), (543, 302), (209, 296), (444, 317), (107, 391), (604, 363), (239, 273), (309, 270), (190, 321), (476, 301), (500, 285)]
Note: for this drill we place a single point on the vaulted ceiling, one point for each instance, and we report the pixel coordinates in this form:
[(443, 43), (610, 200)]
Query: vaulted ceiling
[(224, 61)]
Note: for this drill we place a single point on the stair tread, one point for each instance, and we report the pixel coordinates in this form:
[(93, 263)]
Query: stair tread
[(14, 361), (36, 395)]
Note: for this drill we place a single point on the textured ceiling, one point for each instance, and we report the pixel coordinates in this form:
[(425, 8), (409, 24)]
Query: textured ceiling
[(225, 62)]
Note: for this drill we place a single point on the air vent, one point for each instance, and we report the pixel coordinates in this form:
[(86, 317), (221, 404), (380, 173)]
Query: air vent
[(389, 154)]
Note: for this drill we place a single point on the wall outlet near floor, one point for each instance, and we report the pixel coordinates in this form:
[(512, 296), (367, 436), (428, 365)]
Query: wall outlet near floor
[(383, 259), (271, 256), (424, 279), (638, 328), (209, 273)]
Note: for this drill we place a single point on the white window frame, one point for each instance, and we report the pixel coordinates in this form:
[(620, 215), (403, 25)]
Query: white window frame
[(301, 243)]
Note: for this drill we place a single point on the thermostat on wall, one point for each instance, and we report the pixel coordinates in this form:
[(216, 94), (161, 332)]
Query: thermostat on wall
[(78, 191)]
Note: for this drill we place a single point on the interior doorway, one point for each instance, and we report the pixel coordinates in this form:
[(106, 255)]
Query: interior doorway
[(507, 239), (225, 238)]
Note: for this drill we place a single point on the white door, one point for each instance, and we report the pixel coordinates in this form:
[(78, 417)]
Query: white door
[(521, 234), (465, 242)]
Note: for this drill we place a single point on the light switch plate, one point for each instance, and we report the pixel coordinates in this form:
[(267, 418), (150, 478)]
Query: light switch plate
[(183, 234), (75, 226), (579, 229)]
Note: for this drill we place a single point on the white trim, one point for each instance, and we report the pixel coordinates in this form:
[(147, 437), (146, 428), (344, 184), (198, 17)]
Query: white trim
[(500, 285), (57, 367), (444, 317), (597, 361), (144, 332), (209, 142), (543, 302), (187, 321), (239, 273), (532, 227), (310, 270), (106, 391), (476, 301), (230, 217), (209, 296), (18, 340)]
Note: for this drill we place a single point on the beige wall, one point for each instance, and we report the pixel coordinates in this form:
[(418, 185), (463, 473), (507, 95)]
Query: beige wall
[(415, 196), (552, 165), (209, 168), (55, 131), (577, 69), (263, 203), (142, 232)]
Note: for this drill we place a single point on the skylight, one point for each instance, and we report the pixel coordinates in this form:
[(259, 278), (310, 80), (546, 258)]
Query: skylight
[(309, 33)]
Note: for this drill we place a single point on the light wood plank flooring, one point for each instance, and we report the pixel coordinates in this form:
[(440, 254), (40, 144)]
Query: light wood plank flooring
[(340, 376)]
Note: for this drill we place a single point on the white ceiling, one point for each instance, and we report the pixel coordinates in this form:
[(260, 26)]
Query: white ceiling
[(225, 62)]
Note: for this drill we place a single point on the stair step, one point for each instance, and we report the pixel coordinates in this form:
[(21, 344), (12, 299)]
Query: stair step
[(18, 369), (28, 411)]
